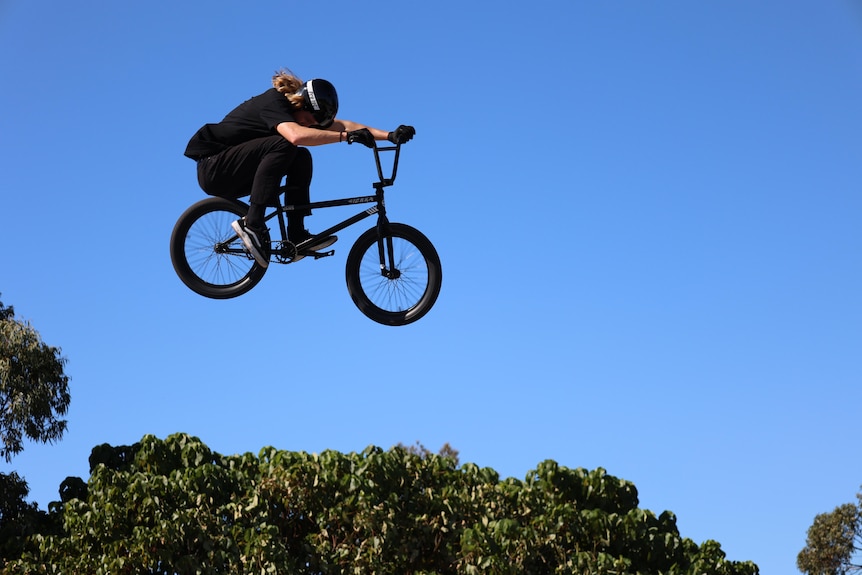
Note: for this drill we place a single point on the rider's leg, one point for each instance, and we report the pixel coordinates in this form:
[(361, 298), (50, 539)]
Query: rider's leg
[(298, 192), (255, 167), (279, 160)]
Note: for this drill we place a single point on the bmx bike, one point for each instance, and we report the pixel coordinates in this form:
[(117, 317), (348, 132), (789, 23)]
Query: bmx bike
[(393, 271)]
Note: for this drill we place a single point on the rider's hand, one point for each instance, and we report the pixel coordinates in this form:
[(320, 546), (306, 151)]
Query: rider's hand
[(402, 134), (362, 136)]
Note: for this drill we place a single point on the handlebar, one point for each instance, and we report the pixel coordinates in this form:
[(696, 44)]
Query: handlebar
[(390, 180)]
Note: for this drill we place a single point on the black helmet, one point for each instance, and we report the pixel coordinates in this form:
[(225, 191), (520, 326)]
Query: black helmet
[(321, 99)]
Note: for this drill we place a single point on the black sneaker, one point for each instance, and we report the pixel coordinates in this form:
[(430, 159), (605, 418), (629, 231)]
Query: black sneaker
[(320, 244), (314, 245), (255, 241), (309, 249)]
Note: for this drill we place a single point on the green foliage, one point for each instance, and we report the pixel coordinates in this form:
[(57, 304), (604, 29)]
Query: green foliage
[(6, 312), (833, 540), (34, 391), (176, 507), (422, 451), (20, 520)]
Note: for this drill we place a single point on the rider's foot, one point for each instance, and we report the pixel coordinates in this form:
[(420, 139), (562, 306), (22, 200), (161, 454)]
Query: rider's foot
[(316, 245), (254, 240), (320, 244)]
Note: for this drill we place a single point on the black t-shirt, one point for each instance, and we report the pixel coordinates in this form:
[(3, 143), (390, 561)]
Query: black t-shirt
[(257, 117)]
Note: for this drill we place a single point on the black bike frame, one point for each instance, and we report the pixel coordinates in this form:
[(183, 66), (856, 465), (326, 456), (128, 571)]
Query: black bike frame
[(380, 208)]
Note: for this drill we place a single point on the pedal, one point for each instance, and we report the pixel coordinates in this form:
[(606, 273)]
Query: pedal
[(318, 255)]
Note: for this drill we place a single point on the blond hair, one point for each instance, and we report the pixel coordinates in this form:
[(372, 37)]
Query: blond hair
[(287, 83)]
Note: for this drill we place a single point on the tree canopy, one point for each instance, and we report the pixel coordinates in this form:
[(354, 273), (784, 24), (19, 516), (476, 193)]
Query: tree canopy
[(174, 506), (34, 390), (833, 541)]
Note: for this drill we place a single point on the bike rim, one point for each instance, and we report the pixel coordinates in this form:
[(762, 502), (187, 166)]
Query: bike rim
[(395, 294), (214, 253)]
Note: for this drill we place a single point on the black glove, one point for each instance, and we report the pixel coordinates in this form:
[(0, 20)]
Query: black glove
[(402, 134), (362, 136)]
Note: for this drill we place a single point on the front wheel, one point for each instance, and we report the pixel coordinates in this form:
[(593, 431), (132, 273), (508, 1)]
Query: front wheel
[(207, 254), (394, 279)]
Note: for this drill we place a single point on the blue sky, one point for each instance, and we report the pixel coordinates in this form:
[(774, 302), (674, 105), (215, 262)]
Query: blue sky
[(647, 214)]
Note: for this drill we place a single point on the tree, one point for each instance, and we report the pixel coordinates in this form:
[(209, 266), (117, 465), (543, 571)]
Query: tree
[(423, 452), (34, 390), (175, 507), (833, 540)]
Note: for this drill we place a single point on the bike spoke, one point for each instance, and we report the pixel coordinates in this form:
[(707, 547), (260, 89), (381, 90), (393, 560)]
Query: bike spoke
[(407, 286), (213, 251), (207, 255)]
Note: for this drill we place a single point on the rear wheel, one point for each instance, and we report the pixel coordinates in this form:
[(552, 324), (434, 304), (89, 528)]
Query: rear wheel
[(207, 254), (394, 280)]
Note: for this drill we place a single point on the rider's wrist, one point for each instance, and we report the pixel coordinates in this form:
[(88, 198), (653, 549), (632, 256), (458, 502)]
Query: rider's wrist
[(341, 136)]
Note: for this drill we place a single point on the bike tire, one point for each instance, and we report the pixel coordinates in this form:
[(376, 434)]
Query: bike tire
[(396, 300), (206, 253)]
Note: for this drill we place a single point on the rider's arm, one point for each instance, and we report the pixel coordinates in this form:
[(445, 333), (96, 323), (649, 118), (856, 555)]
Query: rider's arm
[(348, 126), (300, 135)]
